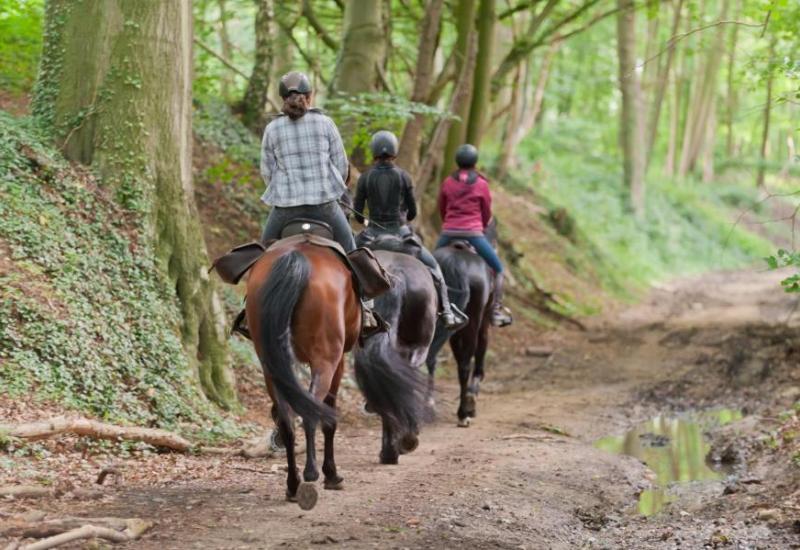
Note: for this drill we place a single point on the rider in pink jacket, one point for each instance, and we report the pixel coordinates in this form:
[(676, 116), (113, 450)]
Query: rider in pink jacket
[(465, 204)]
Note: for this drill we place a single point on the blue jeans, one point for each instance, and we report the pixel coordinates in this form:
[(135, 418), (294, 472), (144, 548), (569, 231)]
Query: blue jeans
[(482, 246), (330, 213)]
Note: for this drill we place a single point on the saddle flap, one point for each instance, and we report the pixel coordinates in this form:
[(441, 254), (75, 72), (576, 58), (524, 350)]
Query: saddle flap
[(300, 226), (232, 266), (370, 274)]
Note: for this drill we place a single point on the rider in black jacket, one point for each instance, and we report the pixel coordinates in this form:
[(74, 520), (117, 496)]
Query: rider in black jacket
[(388, 192)]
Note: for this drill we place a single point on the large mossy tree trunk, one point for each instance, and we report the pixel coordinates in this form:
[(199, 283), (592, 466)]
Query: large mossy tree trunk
[(115, 90), (631, 128)]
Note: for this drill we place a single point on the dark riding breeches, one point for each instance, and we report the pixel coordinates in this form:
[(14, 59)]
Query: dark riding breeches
[(330, 213)]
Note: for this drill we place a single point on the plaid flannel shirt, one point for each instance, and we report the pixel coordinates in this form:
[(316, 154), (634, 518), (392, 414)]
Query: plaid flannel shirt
[(303, 161)]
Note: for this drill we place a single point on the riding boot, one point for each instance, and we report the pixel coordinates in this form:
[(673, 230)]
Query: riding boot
[(452, 317), (371, 322), (501, 316)]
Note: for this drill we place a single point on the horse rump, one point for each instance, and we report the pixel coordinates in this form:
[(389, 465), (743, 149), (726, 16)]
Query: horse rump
[(278, 298)]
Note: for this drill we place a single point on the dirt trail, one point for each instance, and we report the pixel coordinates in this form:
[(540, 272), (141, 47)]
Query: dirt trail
[(526, 473)]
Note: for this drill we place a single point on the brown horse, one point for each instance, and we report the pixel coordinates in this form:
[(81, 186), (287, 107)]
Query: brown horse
[(302, 306)]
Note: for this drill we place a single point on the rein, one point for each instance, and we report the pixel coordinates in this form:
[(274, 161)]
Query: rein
[(356, 212)]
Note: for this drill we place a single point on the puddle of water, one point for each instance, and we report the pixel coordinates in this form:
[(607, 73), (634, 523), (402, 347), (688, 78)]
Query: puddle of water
[(674, 448)]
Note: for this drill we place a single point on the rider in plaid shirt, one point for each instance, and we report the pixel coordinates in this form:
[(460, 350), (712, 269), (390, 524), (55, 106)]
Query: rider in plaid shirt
[(304, 164)]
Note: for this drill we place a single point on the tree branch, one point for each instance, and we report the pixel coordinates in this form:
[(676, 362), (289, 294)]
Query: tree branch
[(311, 62), (222, 59), (519, 7), (308, 13), (678, 37)]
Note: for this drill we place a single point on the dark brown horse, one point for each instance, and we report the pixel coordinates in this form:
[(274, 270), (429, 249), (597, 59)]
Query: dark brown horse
[(302, 307), (410, 308), (469, 282)]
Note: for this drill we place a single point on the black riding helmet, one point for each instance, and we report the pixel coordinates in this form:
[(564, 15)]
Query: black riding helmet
[(466, 156), (383, 144), (294, 82)]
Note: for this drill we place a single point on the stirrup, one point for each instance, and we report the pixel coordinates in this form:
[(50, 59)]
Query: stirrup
[(455, 319), (371, 322)]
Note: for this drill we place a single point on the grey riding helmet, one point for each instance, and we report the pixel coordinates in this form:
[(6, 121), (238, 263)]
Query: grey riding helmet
[(383, 144), (294, 82), (466, 156)]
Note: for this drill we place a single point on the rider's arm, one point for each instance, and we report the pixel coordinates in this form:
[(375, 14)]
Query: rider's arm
[(408, 195), (361, 198), (486, 203), (337, 152), (268, 161)]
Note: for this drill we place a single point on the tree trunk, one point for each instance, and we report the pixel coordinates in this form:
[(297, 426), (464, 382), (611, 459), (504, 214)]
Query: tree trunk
[(254, 103), (226, 80), (660, 86), (481, 99), (631, 129), (730, 100), (465, 25), (284, 50), (362, 48), (360, 56), (115, 88), (530, 117), (423, 79), (702, 98), (762, 165)]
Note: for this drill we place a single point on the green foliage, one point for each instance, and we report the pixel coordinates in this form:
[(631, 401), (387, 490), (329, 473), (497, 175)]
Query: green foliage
[(689, 227), (214, 124), (370, 112), (20, 43), (784, 258), (85, 317)]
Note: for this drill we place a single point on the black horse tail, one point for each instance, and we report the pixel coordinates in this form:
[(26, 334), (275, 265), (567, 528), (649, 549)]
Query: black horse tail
[(391, 385), (279, 296)]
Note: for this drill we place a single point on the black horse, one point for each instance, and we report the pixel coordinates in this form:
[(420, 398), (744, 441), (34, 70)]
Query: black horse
[(410, 308), (469, 280)]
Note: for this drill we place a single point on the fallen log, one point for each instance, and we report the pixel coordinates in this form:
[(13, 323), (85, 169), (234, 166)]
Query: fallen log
[(98, 430), (25, 491), (64, 531)]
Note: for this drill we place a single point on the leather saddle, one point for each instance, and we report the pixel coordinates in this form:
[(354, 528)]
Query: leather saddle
[(369, 276), (460, 244)]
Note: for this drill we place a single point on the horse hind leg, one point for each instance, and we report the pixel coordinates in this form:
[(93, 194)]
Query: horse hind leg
[(333, 481), (286, 431)]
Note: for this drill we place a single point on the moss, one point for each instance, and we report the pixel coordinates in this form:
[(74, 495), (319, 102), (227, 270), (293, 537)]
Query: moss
[(86, 318)]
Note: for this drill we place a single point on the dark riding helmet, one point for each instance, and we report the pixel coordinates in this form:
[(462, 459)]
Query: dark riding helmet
[(383, 144), (296, 82), (466, 156)]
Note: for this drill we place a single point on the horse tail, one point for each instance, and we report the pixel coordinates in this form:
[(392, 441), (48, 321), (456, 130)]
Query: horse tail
[(390, 383), (278, 298)]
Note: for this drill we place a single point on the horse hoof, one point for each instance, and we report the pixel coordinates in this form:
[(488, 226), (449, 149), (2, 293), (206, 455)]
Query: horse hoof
[(307, 496), (389, 460), (409, 444), (469, 404), (334, 484), (463, 422)]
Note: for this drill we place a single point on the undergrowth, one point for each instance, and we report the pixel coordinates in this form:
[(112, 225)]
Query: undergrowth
[(688, 227), (85, 318)]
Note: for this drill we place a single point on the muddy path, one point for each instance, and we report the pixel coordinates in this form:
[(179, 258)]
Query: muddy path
[(527, 473)]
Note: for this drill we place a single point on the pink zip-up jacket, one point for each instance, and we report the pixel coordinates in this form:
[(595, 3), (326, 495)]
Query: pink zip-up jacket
[(465, 202)]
